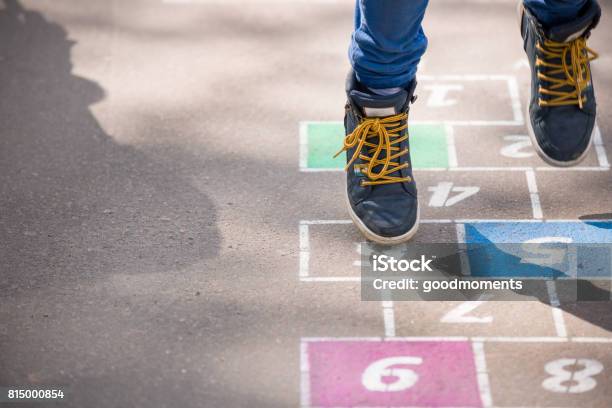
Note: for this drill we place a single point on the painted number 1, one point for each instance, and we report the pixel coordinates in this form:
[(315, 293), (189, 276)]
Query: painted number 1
[(372, 377)]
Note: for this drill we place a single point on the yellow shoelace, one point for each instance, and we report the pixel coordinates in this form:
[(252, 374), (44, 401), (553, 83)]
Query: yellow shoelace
[(575, 74), (387, 130)]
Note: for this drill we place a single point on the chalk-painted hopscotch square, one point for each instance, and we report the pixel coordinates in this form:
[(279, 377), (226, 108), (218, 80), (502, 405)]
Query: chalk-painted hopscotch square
[(535, 249), (403, 373), (321, 141)]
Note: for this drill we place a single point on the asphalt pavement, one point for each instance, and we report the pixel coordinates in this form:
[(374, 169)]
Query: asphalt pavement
[(173, 231)]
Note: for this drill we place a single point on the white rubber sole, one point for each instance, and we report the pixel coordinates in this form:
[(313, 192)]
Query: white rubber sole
[(379, 239), (534, 141), (546, 157)]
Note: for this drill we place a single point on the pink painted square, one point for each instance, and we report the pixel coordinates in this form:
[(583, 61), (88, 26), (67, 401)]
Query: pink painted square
[(392, 374)]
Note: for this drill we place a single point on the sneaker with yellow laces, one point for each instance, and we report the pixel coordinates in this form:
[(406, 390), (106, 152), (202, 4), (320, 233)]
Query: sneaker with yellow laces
[(381, 192), (562, 107)]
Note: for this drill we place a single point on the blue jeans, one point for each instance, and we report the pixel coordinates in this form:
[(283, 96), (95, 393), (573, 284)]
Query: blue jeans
[(388, 40)]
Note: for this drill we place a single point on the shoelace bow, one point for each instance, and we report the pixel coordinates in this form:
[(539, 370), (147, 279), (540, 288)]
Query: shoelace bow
[(387, 132), (575, 74)]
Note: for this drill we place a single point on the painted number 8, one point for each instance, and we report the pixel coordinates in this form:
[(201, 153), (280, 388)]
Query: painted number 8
[(372, 377), (566, 381)]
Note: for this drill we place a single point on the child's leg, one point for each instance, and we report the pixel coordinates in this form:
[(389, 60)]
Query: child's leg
[(388, 41), (553, 12), (562, 107)]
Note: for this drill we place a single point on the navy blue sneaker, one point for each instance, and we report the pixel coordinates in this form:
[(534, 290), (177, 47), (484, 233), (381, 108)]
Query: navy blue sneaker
[(562, 107), (381, 192)]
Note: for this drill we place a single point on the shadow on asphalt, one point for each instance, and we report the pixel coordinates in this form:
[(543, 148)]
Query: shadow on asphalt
[(72, 197), (81, 218)]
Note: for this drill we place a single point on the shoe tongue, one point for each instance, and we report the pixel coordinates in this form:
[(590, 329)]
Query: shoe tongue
[(372, 105), (581, 25), (379, 105)]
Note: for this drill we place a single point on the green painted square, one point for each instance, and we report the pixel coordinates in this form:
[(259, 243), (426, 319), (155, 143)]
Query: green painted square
[(428, 145)]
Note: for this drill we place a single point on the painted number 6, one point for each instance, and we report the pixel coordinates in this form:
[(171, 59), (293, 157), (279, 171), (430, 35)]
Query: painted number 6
[(372, 377), (576, 381)]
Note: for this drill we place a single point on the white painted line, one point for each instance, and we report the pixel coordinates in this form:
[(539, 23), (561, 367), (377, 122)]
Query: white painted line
[(541, 168), (578, 168), (241, 2), (309, 2), (572, 261), (450, 139), (491, 220), (482, 374), (304, 250), (451, 148), (463, 256), (557, 313), (521, 406), (358, 279), (531, 181), (430, 338), (325, 339), (303, 145), (477, 339), (476, 168), (591, 339), (513, 90), (324, 222), (516, 339), (389, 318), (484, 123), (304, 375), (578, 220), (602, 158), (490, 168), (413, 338), (428, 169), (469, 77), (320, 170), (532, 184), (432, 221), (437, 122), (464, 221), (331, 279)]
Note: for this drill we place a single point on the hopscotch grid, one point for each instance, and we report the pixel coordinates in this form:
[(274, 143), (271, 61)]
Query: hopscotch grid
[(475, 168), (304, 242), (477, 343), (600, 150), (481, 339), (388, 307), (465, 263), (304, 145), (603, 163), (358, 279), (534, 195), (388, 318), (513, 91), (451, 147), (304, 375), (466, 220), (482, 374), (557, 313)]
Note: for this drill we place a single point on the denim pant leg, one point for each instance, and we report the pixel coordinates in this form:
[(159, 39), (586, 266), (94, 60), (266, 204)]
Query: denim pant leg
[(554, 12), (388, 41)]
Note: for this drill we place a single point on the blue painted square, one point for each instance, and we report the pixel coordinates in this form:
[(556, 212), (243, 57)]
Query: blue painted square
[(540, 249)]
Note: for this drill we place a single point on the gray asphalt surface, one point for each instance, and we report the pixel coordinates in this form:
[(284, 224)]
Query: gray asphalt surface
[(151, 196)]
